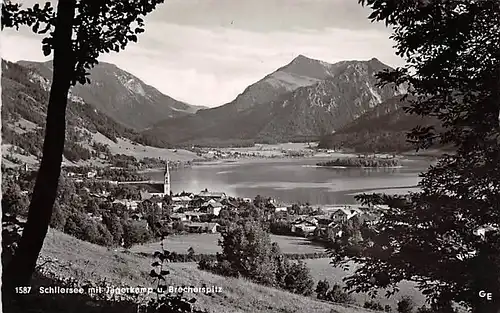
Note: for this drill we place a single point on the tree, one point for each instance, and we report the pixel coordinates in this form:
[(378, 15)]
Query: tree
[(452, 73), (406, 305), (248, 250), (298, 279), (58, 219), (79, 31), (373, 306), (338, 295), (322, 289), (134, 233), (12, 200), (190, 253)]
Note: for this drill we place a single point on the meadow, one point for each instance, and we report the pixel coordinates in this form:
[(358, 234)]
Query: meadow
[(322, 269), (82, 260), (208, 244)]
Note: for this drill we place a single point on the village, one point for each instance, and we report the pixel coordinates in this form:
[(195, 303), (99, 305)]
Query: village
[(209, 211)]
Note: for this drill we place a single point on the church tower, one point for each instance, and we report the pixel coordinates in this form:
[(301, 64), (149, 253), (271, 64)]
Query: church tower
[(166, 183)]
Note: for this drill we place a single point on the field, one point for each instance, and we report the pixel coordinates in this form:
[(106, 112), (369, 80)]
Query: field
[(207, 244), (83, 260), (322, 269), (125, 146)]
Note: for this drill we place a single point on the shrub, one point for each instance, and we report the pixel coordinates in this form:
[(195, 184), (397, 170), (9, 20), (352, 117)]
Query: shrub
[(338, 295), (322, 289), (373, 305), (406, 305)]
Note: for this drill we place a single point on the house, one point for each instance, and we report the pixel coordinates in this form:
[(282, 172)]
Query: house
[(303, 227), (181, 201), (92, 174), (141, 224), (202, 227), (136, 216), (212, 207), (194, 216), (179, 217), (102, 194), (280, 209), (207, 195), (129, 204), (342, 215), (95, 217)]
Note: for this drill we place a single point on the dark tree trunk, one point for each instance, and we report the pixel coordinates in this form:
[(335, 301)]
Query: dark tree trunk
[(22, 266)]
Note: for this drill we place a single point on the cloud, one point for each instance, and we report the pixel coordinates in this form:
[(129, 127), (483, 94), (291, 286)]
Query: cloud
[(206, 62)]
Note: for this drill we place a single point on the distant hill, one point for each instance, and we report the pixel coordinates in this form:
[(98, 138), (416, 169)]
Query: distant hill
[(306, 98), (121, 96), (24, 106), (381, 129)]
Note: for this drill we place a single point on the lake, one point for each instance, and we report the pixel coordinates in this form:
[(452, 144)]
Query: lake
[(295, 180)]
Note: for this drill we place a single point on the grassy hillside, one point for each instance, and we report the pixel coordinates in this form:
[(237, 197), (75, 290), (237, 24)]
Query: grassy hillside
[(83, 260)]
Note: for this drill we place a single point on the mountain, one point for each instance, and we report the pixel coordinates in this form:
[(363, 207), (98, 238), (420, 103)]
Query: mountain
[(121, 95), (24, 107), (305, 98), (381, 129)]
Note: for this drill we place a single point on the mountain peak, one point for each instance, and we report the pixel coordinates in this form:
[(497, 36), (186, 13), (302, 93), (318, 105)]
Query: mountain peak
[(304, 59)]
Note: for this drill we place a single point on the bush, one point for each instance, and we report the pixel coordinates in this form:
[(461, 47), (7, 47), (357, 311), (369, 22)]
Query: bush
[(406, 305), (298, 279), (322, 289), (372, 305), (338, 295)]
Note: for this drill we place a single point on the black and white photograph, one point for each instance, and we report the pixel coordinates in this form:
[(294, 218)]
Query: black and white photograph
[(250, 156)]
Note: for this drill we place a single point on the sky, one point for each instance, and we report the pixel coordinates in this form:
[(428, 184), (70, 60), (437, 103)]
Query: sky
[(205, 52)]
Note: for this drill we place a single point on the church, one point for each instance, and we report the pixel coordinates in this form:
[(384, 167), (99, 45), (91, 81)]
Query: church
[(157, 189)]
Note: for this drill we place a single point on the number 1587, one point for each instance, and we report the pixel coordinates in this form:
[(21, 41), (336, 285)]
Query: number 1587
[(23, 290)]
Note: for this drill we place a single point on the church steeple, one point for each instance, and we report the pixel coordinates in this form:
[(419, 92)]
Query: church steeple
[(166, 182)]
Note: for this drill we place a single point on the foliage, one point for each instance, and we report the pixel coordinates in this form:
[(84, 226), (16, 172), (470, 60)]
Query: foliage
[(248, 252), (134, 232), (361, 162), (165, 301), (322, 289), (453, 70), (338, 295), (298, 279), (373, 305), (247, 248), (78, 33), (405, 305)]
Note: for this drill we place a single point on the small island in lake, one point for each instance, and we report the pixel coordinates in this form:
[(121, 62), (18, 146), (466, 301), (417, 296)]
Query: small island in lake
[(361, 162)]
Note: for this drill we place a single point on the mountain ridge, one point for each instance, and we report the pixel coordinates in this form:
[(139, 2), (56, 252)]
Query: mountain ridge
[(281, 107), (381, 129), (24, 106), (121, 95)]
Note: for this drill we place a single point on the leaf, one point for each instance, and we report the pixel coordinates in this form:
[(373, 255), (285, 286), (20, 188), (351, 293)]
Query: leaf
[(157, 254), (156, 263), (164, 272), (192, 300), (153, 274), (46, 50)]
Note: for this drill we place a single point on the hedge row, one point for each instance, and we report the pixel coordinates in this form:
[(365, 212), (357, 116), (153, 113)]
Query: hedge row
[(184, 258)]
